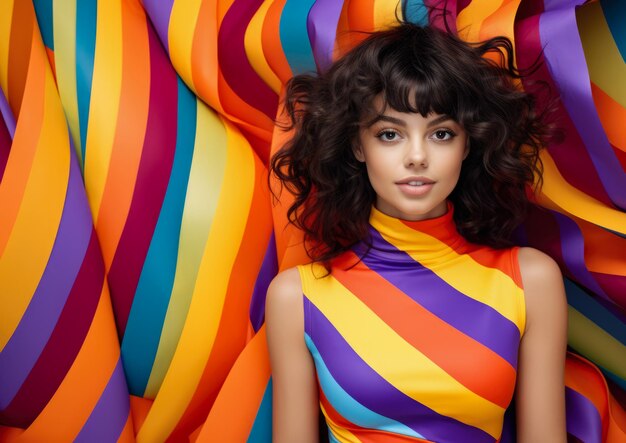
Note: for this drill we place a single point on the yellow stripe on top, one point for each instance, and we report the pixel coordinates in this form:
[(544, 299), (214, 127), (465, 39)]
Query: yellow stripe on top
[(475, 280), (180, 36), (556, 193), (385, 351), (470, 20), (5, 39), (385, 13), (65, 64), (105, 100)]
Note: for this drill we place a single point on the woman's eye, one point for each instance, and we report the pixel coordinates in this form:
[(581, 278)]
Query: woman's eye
[(387, 136), (443, 134)]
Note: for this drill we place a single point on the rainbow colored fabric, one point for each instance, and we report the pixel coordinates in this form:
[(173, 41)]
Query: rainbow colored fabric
[(428, 351), (137, 233)]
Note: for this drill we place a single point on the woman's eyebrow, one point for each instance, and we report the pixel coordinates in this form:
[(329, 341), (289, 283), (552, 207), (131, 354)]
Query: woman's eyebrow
[(440, 119), (386, 118), (400, 122)]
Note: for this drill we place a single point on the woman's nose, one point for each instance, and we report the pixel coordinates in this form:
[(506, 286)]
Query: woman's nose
[(416, 153)]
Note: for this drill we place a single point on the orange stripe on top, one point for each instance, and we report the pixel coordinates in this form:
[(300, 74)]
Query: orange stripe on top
[(204, 63), (242, 392), (444, 345), (23, 34), (130, 132), (604, 252), (485, 256), (612, 116), (270, 40), (24, 146), (360, 20)]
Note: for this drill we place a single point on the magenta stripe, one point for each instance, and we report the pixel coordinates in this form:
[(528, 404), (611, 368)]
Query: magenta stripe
[(152, 179), (5, 147), (64, 343), (475, 319), (233, 60), (322, 26), (570, 154), (614, 285), (566, 60), (582, 417), (108, 418), (367, 387), (32, 333)]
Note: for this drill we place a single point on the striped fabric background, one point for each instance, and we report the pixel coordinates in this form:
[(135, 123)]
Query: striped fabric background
[(137, 234)]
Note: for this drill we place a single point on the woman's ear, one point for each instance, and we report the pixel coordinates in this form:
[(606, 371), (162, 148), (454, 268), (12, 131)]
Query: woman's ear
[(358, 153), (467, 148)]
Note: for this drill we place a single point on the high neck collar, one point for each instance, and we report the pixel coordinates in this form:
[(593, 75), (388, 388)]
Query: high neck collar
[(428, 240)]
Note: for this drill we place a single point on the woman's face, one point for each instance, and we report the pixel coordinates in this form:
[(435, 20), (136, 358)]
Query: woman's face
[(413, 162)]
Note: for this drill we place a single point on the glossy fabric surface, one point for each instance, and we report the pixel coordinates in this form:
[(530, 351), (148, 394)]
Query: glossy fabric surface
[(419, 339)]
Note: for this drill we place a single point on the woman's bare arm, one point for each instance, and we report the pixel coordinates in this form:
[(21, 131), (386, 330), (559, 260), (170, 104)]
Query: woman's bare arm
[(295, 398), (540, 392)]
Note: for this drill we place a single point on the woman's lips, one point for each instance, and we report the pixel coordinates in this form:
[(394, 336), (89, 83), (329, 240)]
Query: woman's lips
[(412, 189)]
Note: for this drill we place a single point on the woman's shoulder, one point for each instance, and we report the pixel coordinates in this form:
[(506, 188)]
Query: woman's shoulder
[(543, 286), (284, 294), (536, 265)]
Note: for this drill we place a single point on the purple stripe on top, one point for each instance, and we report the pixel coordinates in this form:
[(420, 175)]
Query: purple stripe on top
[(7, 114), (370, 389), (473, 318), (583, 420), (566, 60), (573, 247), (321, 25), (159, 12), (32, 333), (269, 269), (549, 5), (109, 416)]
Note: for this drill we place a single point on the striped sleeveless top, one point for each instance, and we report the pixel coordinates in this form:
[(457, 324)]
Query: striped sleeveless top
[(418, 341)]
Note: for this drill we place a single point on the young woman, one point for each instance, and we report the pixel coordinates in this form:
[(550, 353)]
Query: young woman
[(417, 320)]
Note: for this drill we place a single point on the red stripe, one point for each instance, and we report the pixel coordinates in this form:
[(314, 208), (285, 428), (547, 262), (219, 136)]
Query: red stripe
[(64, 343), (483, 371), (152, 180)]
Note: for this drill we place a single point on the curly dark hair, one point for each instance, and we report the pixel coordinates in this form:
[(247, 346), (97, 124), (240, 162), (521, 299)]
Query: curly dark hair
[(418, 69)]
